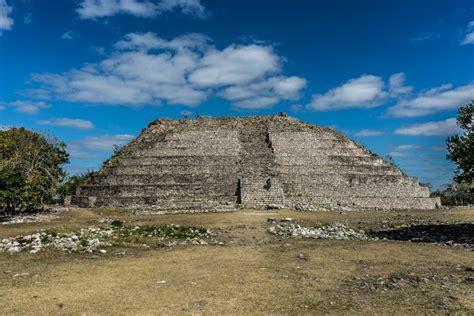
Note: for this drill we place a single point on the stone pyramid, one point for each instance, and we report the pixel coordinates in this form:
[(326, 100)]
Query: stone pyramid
[(252, 162)]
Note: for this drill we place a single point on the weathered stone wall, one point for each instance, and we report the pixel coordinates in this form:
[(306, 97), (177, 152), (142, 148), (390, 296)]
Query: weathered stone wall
[(214, 163)]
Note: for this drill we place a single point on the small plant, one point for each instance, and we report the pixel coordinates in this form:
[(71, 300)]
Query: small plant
[(116, 223)]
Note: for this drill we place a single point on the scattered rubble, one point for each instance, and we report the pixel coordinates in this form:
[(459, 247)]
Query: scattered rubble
[(93, 239), (30, 218), (334, 231), (104, 220), (459, 235)]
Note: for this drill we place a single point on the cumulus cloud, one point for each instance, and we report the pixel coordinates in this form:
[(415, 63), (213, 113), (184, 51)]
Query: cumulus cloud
[(92, 9), (369, 132), (439, 128), (68, 122), (367, 91), (29, 107), (434, 100), (145, 69), (264, 94), (6, 22), (220, 68), (469, 37)]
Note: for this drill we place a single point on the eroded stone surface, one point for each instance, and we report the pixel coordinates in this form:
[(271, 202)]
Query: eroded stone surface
[(256, 162)]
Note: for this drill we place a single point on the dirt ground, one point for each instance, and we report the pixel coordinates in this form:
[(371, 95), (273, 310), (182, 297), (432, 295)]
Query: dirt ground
[(253, 272)]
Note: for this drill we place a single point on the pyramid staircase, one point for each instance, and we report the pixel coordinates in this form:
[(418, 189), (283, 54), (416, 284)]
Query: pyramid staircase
[(259, 184)]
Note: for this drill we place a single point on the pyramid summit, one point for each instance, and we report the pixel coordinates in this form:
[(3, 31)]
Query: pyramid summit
[(253, 162)]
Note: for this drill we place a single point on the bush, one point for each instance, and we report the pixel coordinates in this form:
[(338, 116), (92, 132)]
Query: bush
[(30, 169), (456, 194), (70, 183)]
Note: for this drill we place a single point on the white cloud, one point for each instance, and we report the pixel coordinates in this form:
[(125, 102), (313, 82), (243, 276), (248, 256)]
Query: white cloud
[(439, 128), (264, 94), (102, 143), (367, 91), (397, 154), (29, 107), (407, 147), (189, 7), (92, 9), (70, 35), (6, 22), (235, 65), (435, 100), (147, 70), (396, 84), (68, 122), (469, 37), (369, 132), (425, 36)]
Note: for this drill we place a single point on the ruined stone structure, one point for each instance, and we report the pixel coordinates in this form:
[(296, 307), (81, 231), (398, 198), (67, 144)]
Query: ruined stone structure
[(253, 162)]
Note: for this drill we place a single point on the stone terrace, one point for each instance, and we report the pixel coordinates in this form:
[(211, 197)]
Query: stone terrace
[(256, 162)]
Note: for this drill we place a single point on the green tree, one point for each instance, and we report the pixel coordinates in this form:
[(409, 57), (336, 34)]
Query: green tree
[(30, 169), (461, 147), (70, 184)]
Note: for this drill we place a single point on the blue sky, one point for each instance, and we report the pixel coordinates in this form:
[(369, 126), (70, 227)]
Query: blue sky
[(388, 74)]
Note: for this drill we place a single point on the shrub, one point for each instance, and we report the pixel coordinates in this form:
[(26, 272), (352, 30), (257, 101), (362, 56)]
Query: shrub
[(70, 183)]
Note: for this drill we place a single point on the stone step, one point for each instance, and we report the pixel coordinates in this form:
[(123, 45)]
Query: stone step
[(310, 144), (302, 136), (323, 151), (317, 170), (197, 150), (220, 171), (254, 192), (346, 203), (155, 203), (329, 159), (168, 178), (158, 190), (193, 160), (377, 190)]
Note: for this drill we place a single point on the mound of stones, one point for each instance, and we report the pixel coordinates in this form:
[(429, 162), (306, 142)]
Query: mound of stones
[(263, 162), (335, 231), (92, 239)]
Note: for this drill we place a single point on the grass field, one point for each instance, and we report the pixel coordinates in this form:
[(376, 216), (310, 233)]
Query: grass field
[(253, 272)]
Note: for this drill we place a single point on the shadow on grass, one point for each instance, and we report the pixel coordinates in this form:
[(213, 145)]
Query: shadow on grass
[(444, 233)]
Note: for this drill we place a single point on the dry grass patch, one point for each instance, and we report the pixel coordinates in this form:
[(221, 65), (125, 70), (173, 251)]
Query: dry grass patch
[(253, 273)]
